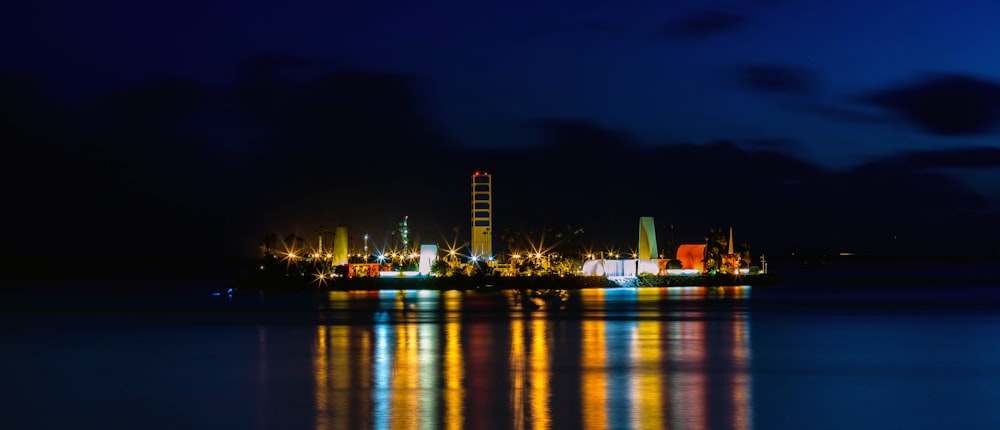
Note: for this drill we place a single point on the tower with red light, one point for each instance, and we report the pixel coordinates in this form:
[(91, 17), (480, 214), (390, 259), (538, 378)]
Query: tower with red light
[(481, 245)]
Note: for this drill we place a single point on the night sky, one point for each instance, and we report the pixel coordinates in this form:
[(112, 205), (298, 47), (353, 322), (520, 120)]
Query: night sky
[(195, 128)]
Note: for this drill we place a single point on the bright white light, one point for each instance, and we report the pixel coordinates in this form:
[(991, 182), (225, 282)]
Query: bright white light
[(428, 253), (393, 274), (688, 272)]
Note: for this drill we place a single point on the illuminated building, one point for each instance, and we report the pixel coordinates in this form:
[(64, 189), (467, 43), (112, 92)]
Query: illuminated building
[(647, 246), (482, 215), (428, 253), (647, 239), (692, 256), (647, 260), (340, 246), (404, 234), (732, 260)]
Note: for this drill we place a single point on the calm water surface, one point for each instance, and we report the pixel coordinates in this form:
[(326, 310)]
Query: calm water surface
[(690, 358)]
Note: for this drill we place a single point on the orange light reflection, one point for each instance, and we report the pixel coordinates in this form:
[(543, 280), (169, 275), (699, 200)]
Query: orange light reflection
[(405, 382), (593, 364), (320, 365), (517, 373), (454, 394), (540, 389)]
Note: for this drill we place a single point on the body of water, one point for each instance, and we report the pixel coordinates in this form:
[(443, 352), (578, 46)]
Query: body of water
[(850, 350)]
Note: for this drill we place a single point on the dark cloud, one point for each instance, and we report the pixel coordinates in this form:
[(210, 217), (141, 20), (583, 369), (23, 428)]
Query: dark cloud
[(581, 135), (922, 171), (963, 158), (155, 106), (21, 100), (950, 105), (305, 98), (704, 24), (776, 202), (777, 79), (360, 149), (842, 113), (147, 160), (769, 143)]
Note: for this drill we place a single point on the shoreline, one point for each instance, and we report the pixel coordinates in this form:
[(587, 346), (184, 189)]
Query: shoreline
[(498, 283)]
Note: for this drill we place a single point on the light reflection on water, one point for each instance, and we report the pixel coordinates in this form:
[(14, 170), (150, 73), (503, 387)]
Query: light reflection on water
[(664, 358), (925, 358), (426, 360)]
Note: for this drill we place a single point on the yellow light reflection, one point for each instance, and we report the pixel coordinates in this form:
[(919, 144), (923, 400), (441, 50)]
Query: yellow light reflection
[(529, 375), (452, 305), (320, 366), (517, 370), (737, 291), (429, 377), (339, 376), (593, 362), (454, 377), (362, 369), (413, 375), (334, 374), (338, 299), (647, 395), (405, 381), (540, 389)]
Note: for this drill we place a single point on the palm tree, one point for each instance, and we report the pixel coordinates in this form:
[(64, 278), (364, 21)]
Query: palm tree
[(715, 247), (294, 243), (268, 243)]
